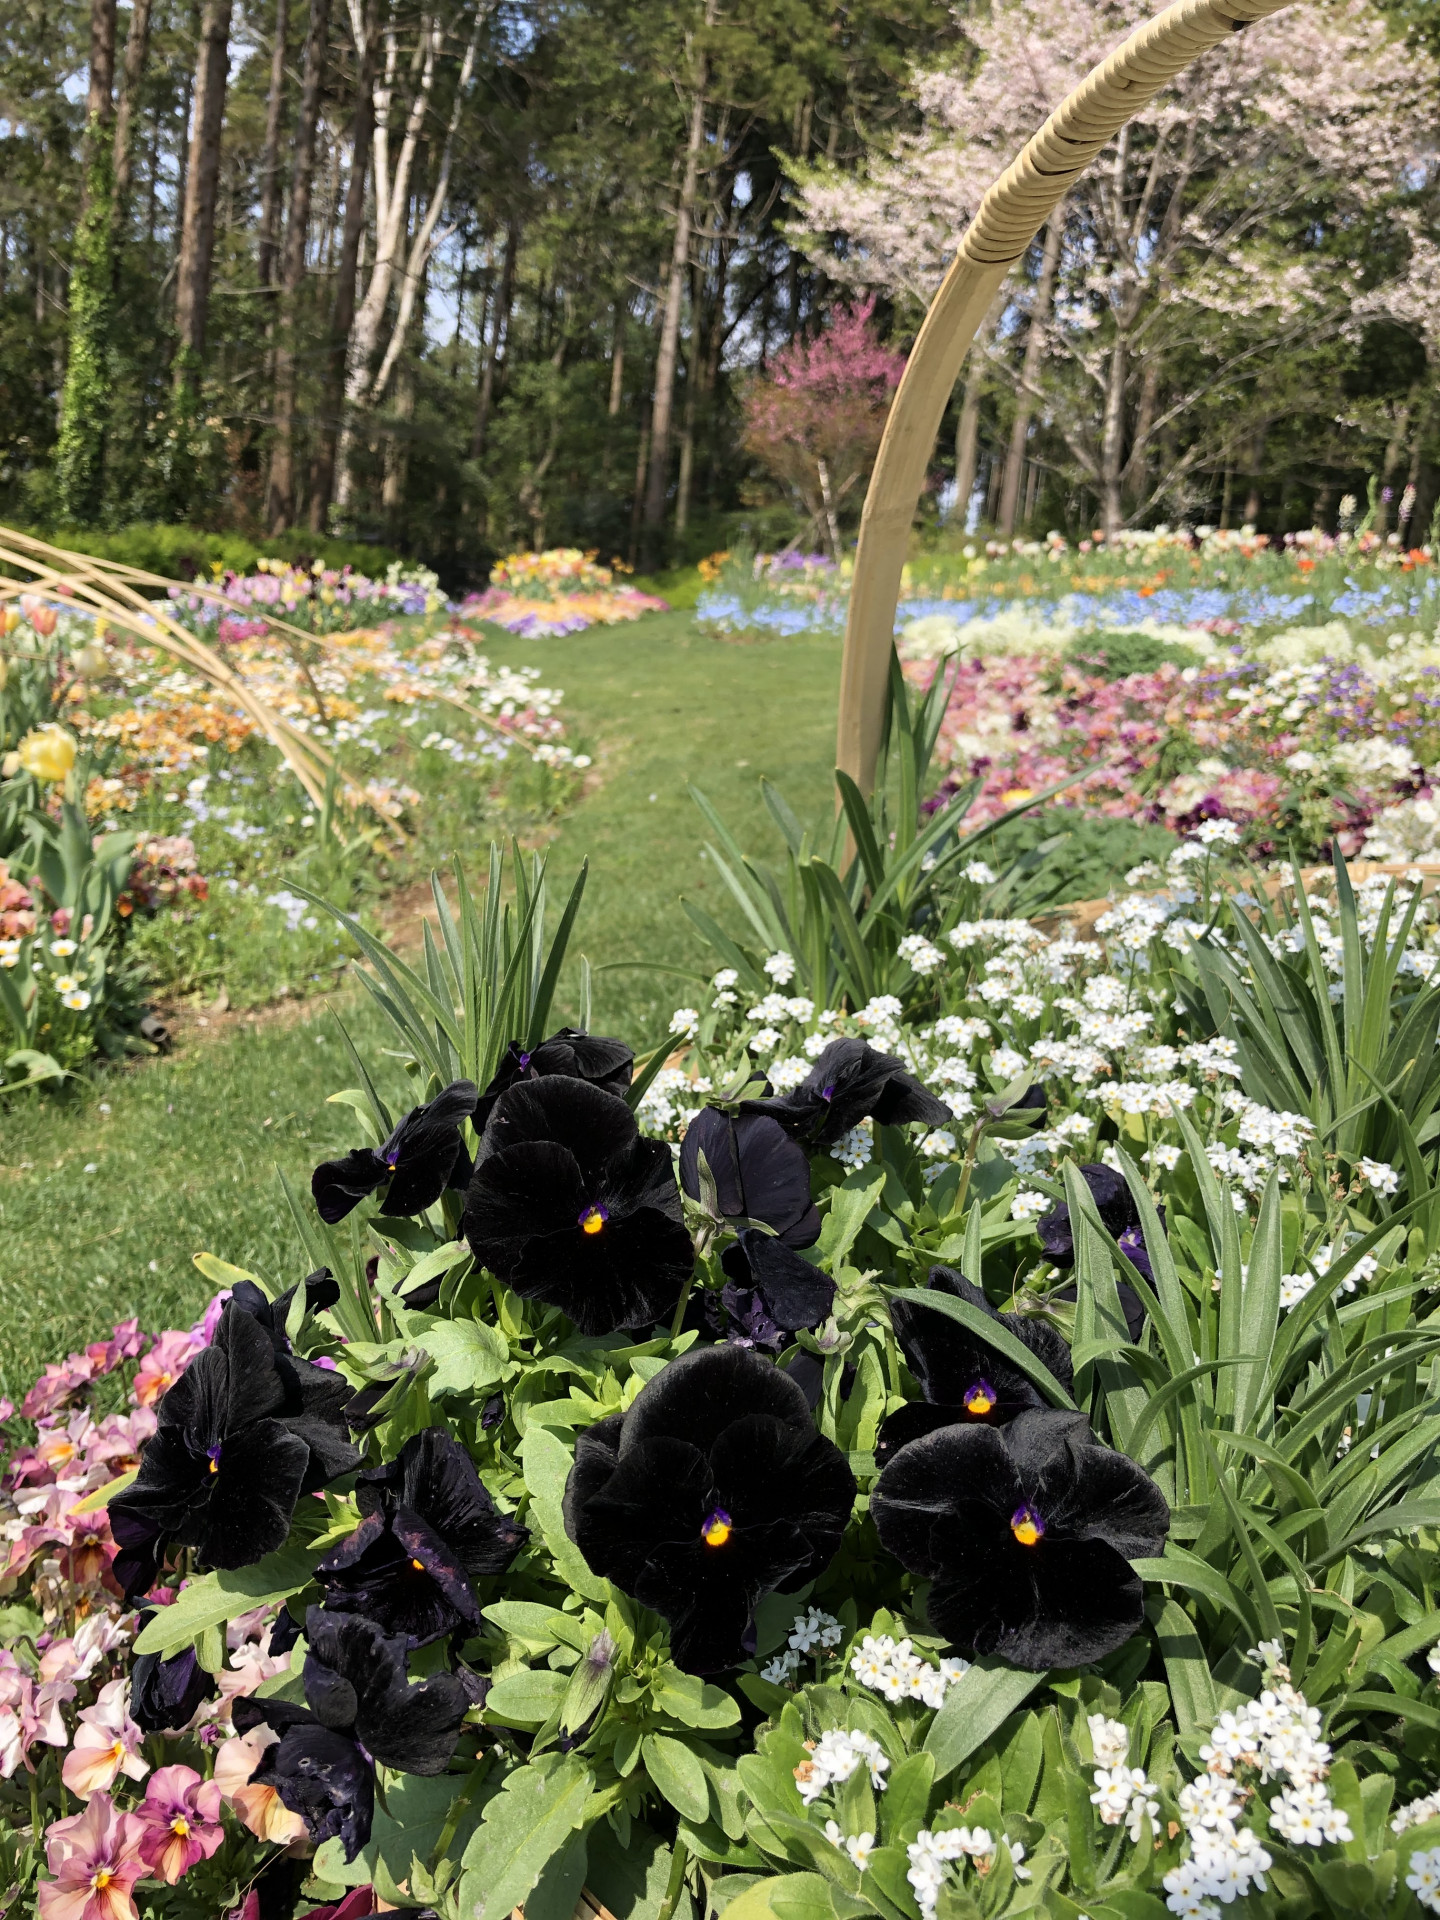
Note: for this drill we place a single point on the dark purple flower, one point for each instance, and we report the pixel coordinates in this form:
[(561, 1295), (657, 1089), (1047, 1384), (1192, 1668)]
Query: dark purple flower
[(604, 1063), (770, 1293), (422, 1157), (1115, 1204), (849, 1082), (428, 1531), (164, 1693), (760, 1173)]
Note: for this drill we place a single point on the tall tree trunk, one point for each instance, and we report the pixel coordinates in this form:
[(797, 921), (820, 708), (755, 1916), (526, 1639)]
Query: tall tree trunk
[(268, 245), (667, 360), (967, 427), (280, 503), (1252, 497), (494, 346), (342, 311), (687, 446), (84, 407), (1112, 441), (137, 52), (1030, 370), (202, 179)]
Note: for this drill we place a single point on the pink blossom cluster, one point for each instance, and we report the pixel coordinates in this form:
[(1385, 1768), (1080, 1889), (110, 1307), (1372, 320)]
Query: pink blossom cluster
[(97, 1856)]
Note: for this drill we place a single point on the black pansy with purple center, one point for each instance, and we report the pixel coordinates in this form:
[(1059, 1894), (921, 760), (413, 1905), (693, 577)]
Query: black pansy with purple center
[(360, 1710), (759, 1173), (962, 1377), (570, 1206), (851, 1081), (770, 1293), (242, 1434), (1115, 1204), (164, 1692), (712, 1491), (422, 1157), (429, 1531), (604, 1063), (1026, 1533)]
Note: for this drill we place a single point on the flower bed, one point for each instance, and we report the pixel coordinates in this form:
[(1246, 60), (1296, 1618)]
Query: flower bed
[(961, 1450), (543, 595)]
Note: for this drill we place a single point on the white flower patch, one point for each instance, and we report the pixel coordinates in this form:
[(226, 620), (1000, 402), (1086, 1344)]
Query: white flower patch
[(919, 955), (685, 1023), (781, 967), (1029, 1205), (785, 1075), (892, 1668), (1379, 1176), (1416, 1812), (856, 1148), (1423, 1879), (834, 1757)]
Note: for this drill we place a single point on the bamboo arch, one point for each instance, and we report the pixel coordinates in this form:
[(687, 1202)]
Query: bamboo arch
[(1006, 221)]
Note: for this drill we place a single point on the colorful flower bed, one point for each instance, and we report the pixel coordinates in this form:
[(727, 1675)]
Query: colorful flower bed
[(961, 1450), (318, 599), (542, 595)]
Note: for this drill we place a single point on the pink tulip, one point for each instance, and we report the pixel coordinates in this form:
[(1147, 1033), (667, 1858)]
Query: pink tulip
[(95, 1861), (107, 1744), (181, 1814)]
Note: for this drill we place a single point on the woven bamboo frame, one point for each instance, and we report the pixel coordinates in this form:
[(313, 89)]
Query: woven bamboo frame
[(1007, 220)]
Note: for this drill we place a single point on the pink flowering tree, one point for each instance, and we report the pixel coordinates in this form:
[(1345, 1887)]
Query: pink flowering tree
[(814, 420), (1224, 233)]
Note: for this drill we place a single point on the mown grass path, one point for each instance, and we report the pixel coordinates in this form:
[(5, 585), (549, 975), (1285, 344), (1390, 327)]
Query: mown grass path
[(105, 1197)]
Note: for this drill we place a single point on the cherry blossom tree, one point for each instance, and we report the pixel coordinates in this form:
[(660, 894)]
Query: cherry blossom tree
[(815, 419), (1243, 215)]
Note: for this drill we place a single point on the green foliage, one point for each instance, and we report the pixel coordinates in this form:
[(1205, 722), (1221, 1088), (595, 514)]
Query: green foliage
[(183, 552), (85, 407)]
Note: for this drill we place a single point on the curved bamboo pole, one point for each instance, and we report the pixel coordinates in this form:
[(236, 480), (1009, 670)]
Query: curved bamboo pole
[(1008, 218)]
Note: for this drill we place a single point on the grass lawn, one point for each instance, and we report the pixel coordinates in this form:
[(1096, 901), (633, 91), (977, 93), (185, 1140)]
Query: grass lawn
[(105, 1197)]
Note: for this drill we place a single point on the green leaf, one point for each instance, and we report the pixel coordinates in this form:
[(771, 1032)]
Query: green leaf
[(217, 1597), (690, 1700), (794, 1896), (469, 1356), (527, 1823), (547, 1461), (974, 1707), (629, 1881), (850, 1207), (1192, 1692), (676, 1772), (527, 1699)]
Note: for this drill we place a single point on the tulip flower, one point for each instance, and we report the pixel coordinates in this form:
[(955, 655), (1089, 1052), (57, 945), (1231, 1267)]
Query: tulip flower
[(48, 753)]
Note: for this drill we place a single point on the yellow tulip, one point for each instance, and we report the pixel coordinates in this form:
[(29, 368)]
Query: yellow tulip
[(47, 752)]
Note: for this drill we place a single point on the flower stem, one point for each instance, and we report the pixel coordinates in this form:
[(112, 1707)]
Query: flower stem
[(681, 1305), (972, 1147), (678, 1865)]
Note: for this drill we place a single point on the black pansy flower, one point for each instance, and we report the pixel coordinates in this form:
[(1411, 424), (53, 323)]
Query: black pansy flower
[(712, 1491), (770, 1293), (1115, 1204), (760, 1173), (423, 1156), (164, 1693), (429, 1531), (571, 1206), (1026, 1532), (242, 1434), (852, 1081), (962, 1377), (604, 1063), (361, 1710)]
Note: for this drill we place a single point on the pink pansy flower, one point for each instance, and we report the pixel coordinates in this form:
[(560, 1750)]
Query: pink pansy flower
[(78, 1657), (95, 1860), (250, 1666), (163, 1365), (13, 1744), (126, 1342), (46, 1715), (107, 1744), (7, 1409), (211, 1321), (56, 1384), (258, 1806), (182, 1822)]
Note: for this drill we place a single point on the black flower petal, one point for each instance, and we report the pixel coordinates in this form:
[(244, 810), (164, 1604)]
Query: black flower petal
[(962, 1377), (424, 1155), (759, 1172), (571, 1206), (242, 1434), (355, 1682), (712, 1491), (770, 1293), (325, 1778), (164, 1693), (1026, 1533), (1113, 1202), (849, 1082), (429, 1530), (321, 1291), (607, 1064)]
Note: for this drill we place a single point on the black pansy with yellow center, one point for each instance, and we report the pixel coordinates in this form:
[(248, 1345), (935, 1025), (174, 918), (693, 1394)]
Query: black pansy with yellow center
[(757, 1171), (361, 1710), (604, 1063), (242, 1434), (962, 1377), (570, 1206), (1026, 1533), (851, 1081), (430, 1530), (712, 1491), (422, 1157)]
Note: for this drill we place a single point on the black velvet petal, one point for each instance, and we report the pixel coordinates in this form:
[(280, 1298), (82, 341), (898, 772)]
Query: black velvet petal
[(419, 1160), (1113, 1202), (711, 1492), (1026, 1532), (852, 1081), (605, 1063), (164, 1693), (323, 1776), (760, 1173), (412, 1727)]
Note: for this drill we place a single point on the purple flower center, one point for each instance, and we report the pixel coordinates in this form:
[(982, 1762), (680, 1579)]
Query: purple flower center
[(524, 1061), (827, 1093), (212, 1454), (980, 1398)]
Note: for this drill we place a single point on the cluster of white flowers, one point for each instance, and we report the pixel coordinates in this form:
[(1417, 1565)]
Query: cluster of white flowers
[(1423, 1879), (1274, 1737), (859, 1846), (834, 1757), (1416, 1812), (781, 968), (931, 1856), (892, 1668), (1122, 1793), (919, 954), (856, 1148), (810, 1631), (1379, 1175)]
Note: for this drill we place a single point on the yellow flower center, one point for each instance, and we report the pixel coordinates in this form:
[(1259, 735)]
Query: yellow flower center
[(180, 1825), (102, 1879), (717, 1528), (419, 1565), (1027, 1526), (592, 1220), (980, 1398)]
